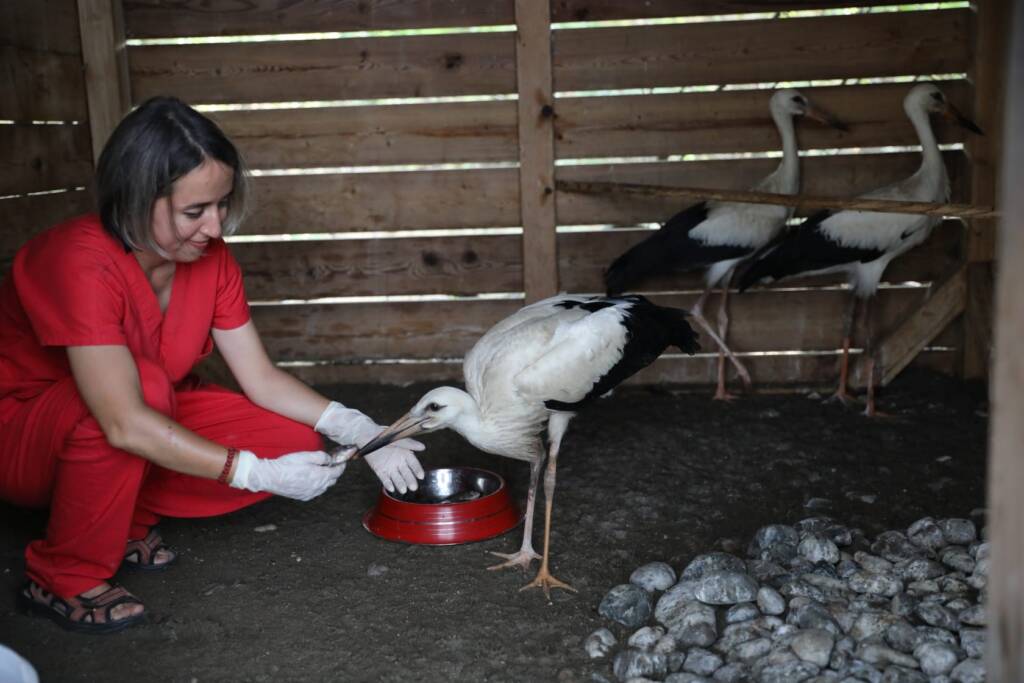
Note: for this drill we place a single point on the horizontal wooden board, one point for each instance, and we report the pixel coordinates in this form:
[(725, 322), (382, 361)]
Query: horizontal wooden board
[(276, 271), (605, 10), (163, 18), (583, 258), (358, 68), (23, 217), (40, 84), (420, 330), (490, 198), (40, 25), (763, 320), (38, 158), (40, 61), (829, 176), (886, 44), (381, 201), (469, 265), (355, 136), (655, 125), (176, 18), (769, 372), (738, 121)]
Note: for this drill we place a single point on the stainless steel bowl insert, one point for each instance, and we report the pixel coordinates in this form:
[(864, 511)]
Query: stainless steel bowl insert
[(451, 485)]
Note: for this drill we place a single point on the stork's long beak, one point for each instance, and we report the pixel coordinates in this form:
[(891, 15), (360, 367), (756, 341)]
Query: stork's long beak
[(405, 426), (828, 118), (951, 113)]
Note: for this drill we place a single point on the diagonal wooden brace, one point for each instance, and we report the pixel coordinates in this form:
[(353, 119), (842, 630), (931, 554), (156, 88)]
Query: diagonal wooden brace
[(946, 301)]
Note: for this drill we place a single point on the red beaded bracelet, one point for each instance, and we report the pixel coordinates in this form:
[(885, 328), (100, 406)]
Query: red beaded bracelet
[(223, 478)]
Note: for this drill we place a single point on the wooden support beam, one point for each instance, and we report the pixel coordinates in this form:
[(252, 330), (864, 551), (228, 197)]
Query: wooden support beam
[(1005, 653), (106, 67), (802, 203), (895, 352), (988, 72), (536, 148)]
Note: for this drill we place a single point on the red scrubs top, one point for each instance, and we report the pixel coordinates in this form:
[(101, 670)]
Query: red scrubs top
[(76, 285)]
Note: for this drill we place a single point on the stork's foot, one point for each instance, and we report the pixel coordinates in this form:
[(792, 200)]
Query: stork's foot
[(547, 582), (843, 398), (723, 395), (871, 411), (521, 559), (744, 376)]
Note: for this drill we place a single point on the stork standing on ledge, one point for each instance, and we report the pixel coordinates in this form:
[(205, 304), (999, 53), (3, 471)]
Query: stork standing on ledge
[(862, 243), (540, 366), (718, 235)]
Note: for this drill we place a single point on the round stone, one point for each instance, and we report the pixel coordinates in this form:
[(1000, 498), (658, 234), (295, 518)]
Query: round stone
[(654, 576), (626, 604), (936, 659), (958, 531), (702, 565), (599, 643), (769, 601), (818, 548), (814, 646), (726, 588)]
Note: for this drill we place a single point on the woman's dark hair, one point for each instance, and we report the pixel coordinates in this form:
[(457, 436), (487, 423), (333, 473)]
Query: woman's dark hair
[(159, 142)]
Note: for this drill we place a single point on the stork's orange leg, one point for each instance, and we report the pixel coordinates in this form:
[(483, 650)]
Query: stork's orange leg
[(544, 579), (526, 555), (721, 393), (697, 313), (841, 394), (869, 409)]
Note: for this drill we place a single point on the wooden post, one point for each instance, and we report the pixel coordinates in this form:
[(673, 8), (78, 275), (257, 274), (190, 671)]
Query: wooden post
[(536, 148), (106, 68), (989, 76), (1005, 656)]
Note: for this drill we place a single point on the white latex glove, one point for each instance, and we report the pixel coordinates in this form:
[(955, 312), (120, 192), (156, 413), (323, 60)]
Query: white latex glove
[(394, 465), (302, 476)]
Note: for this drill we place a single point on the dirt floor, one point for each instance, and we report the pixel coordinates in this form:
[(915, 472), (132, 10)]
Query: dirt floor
[(645, 475)]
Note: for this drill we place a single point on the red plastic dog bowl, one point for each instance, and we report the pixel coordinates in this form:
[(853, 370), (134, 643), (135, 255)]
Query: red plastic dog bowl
[(452, 505)]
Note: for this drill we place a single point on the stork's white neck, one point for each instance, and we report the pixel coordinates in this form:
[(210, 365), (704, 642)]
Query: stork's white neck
[(509, 432), (931, 157), (788, 172)]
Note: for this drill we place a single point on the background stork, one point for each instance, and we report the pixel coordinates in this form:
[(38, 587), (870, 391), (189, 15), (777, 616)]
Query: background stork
[(862, 243), (540, 366), (715, 236)]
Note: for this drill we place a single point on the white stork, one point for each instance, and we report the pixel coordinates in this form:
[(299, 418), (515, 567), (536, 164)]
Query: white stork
[(862, 243), (715, 236), (538, 367)]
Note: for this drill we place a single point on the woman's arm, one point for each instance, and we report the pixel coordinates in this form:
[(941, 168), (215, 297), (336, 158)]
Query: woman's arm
[(264, 383), (108, 381)]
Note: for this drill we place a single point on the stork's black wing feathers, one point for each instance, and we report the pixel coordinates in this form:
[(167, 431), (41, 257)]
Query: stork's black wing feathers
[(802, 249), (650, 329), (669, 249)]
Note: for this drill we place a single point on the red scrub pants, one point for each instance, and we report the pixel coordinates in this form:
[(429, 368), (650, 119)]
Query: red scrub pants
[(53, 453)]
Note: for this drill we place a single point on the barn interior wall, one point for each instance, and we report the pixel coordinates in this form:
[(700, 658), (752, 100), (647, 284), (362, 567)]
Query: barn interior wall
[(386, 141)]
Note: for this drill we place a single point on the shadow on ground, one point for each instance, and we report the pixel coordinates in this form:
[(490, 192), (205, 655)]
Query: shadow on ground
[(648, 474)]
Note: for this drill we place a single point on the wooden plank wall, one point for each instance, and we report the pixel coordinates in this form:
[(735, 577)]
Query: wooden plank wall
[(44, 127), (402, 205)]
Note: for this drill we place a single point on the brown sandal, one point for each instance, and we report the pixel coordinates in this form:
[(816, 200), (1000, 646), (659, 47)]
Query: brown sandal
[(140, 554), (81, 614)]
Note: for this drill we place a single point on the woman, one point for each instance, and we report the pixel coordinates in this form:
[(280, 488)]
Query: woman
[(101, 320)]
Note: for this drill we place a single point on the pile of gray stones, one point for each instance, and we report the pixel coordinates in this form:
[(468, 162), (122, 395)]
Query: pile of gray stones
[(814, 602)]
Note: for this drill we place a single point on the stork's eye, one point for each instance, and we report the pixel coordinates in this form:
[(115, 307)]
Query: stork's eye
[(937, 96), (434, 407), (799, 100)]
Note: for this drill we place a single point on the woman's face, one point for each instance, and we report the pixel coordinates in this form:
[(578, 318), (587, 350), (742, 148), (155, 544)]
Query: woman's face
[(185, 221)]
